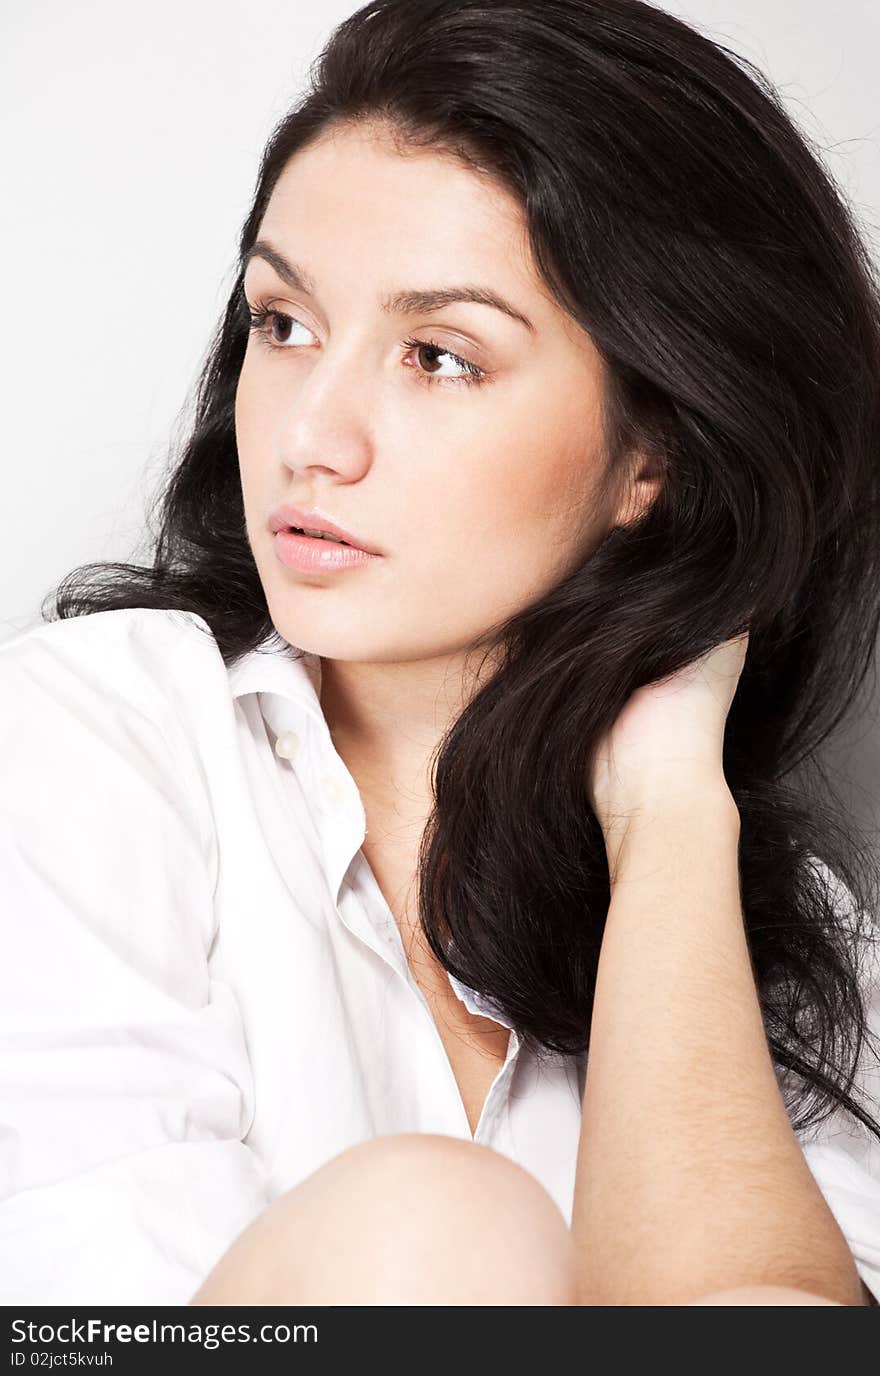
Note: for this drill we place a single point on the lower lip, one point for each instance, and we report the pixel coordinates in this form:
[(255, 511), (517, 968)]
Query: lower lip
[(309, 555)]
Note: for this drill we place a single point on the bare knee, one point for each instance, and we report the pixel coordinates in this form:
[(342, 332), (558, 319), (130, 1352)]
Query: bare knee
[(405, 1218), (762, 1294)]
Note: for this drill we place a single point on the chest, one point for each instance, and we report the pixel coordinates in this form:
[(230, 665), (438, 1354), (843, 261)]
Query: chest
[(475, 1046), (475, 1067)]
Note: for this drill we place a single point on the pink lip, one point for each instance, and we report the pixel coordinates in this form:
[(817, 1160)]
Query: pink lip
[(309, 555), (311, 518)]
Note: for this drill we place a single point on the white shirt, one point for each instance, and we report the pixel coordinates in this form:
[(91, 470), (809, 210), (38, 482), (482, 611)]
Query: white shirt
[(203, 993)]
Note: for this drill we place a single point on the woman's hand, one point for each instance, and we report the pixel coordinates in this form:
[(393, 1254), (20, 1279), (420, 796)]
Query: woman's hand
[(666, 745)]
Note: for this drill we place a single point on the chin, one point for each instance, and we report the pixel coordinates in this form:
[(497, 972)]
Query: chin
[(317, 636), (357, 644)]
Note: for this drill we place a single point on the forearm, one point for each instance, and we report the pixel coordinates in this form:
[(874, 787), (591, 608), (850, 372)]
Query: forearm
[(689, 1175)]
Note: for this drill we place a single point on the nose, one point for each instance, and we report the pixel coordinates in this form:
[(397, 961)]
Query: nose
[(326, 427)]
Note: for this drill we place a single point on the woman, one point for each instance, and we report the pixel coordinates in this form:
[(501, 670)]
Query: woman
[(446, 919)]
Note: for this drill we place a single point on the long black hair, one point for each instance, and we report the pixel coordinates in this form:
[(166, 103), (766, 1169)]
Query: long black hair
[(678, 215)]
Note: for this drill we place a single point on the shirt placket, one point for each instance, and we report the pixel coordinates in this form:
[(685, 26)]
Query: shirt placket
[(342, 828)]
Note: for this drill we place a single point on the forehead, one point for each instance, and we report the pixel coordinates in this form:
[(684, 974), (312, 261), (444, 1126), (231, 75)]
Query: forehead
[(346, 161), (355, 197)]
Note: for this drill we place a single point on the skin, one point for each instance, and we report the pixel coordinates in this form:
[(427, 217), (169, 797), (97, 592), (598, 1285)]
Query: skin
[(480, 498), (684, 1131), (665, 744)]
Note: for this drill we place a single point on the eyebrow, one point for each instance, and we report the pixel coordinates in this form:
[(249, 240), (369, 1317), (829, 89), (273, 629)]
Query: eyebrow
[(399, 302)]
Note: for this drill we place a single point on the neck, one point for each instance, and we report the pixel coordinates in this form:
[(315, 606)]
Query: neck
[(386, 721)]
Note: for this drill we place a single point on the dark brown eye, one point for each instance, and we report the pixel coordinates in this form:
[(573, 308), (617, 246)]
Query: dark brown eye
[(435, 351), (430, 349)]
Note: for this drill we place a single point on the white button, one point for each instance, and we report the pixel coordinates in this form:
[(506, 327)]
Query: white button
[(287, 745)]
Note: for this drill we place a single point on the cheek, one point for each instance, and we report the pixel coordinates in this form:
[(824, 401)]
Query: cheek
[(244, 401), (250, 422), (538, 495), (537, 484)]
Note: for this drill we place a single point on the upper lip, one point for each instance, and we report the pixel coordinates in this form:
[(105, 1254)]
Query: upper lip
[(311, 518)]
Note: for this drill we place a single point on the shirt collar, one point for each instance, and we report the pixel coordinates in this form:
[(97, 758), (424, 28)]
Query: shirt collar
[(293, 674), (283, 668), (286, 681)]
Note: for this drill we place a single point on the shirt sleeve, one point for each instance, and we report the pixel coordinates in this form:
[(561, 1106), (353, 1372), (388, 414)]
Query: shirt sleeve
[(843, 1154), (125, 1084)]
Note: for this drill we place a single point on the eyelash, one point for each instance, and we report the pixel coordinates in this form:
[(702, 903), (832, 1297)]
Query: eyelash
[(260, 318)]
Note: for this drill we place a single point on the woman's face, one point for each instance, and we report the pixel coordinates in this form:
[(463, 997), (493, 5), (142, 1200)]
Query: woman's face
[(473, 479)]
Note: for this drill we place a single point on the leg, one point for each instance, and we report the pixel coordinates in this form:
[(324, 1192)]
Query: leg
[(407, 1218), (762, 1294)]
